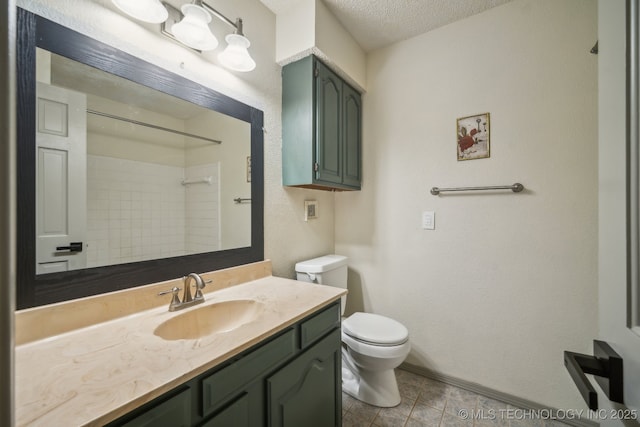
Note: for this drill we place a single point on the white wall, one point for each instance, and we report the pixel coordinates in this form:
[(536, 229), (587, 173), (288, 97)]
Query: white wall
[(339, 47), (284, 208), (202, 201), (296, 30), (308, 27), (121, 140), (506, 281), (232, 155)]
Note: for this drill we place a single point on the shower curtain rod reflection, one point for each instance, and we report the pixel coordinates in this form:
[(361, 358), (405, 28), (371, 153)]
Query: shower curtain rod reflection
[(136, 122)]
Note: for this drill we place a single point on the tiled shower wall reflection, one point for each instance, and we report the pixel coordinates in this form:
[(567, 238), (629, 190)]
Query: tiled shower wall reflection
[(138, 211), (203, 210)]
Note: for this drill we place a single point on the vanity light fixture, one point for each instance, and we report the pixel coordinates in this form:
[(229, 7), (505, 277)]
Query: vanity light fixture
[(193, 30), (236, 55), (151, 11), (190, 27)]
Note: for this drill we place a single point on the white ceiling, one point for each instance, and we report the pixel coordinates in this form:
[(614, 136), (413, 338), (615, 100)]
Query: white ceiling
[(379, 23)]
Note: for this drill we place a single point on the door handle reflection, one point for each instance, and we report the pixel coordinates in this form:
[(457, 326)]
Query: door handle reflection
[(73, 247)]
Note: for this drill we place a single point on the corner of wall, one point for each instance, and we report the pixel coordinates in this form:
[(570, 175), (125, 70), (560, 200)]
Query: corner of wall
[(295, 31), (310, 28), (340, 47)]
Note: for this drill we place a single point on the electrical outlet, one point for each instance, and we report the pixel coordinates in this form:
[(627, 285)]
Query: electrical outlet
[(310, 209)]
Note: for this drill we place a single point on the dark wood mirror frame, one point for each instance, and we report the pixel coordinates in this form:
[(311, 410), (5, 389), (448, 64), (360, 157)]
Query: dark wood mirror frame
[(34, 290)]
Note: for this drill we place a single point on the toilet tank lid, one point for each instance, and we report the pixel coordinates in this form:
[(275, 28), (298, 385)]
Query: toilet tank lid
[(321, 264)]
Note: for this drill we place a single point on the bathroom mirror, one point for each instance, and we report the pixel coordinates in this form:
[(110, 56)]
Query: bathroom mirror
[(160, 177), (128, 174)]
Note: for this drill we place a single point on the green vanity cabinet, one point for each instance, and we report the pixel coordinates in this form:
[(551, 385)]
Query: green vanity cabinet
[(238, 413), (306, 392), (239, 384), (169, 410), (290, 379), (321, 128)]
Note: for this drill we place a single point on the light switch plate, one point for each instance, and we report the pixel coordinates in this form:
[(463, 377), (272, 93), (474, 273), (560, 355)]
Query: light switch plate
[(428, 220)]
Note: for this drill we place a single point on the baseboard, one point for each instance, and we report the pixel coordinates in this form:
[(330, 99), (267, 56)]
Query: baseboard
[(509, 399)]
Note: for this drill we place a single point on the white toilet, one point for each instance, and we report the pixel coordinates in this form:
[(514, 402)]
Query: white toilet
[(372, 345)]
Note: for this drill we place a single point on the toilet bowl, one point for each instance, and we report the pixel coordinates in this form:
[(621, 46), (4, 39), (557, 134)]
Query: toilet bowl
[(372, 345)]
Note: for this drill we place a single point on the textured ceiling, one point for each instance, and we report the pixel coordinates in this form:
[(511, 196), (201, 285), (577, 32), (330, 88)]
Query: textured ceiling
[(379, 23)]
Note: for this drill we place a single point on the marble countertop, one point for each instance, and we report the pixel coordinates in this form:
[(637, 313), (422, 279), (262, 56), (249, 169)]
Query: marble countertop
[(92, 375)]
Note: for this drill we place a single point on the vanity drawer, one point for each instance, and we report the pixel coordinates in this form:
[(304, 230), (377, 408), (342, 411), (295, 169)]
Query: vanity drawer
[(175, 411), (237, 414), (228, 382), (320, 324)]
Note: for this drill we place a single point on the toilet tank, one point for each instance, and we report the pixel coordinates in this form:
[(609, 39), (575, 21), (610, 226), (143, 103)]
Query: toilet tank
[(330, 270)]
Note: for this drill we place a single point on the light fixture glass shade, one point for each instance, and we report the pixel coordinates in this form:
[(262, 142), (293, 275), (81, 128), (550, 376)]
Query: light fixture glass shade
[(236, 56), (194, 30), (151, 11)]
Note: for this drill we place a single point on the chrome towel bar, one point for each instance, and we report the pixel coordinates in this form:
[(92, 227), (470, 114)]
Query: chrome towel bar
[(516, 188)]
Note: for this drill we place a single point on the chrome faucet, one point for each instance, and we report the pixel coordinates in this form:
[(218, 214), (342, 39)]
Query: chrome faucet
[(187, 299)]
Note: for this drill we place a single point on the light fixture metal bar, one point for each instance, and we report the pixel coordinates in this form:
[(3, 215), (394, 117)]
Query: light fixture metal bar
[(237, 42), (176, 16), (219, 15), (149, 125)]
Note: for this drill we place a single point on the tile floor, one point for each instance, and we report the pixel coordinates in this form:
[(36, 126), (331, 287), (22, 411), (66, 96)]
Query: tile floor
[(430, 403)]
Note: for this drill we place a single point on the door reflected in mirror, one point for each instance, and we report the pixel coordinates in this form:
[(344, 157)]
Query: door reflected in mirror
[(131, 173)]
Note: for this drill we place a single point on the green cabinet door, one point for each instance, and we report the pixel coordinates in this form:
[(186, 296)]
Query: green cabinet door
[(328, 126), (307, 391), (298, 119), (351, 136)]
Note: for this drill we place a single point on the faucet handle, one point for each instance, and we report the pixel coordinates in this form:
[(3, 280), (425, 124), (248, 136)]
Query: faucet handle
[(199, 287), (173, 291), (175, 300)]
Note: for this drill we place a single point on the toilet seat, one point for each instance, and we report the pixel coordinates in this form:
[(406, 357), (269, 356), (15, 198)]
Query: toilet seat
[(376, 330)]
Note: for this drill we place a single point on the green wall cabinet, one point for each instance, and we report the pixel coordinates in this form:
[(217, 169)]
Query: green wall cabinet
[(289, 380), (321, 128)]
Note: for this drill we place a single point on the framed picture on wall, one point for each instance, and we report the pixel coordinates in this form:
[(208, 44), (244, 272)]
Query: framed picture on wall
[(473, 137)]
